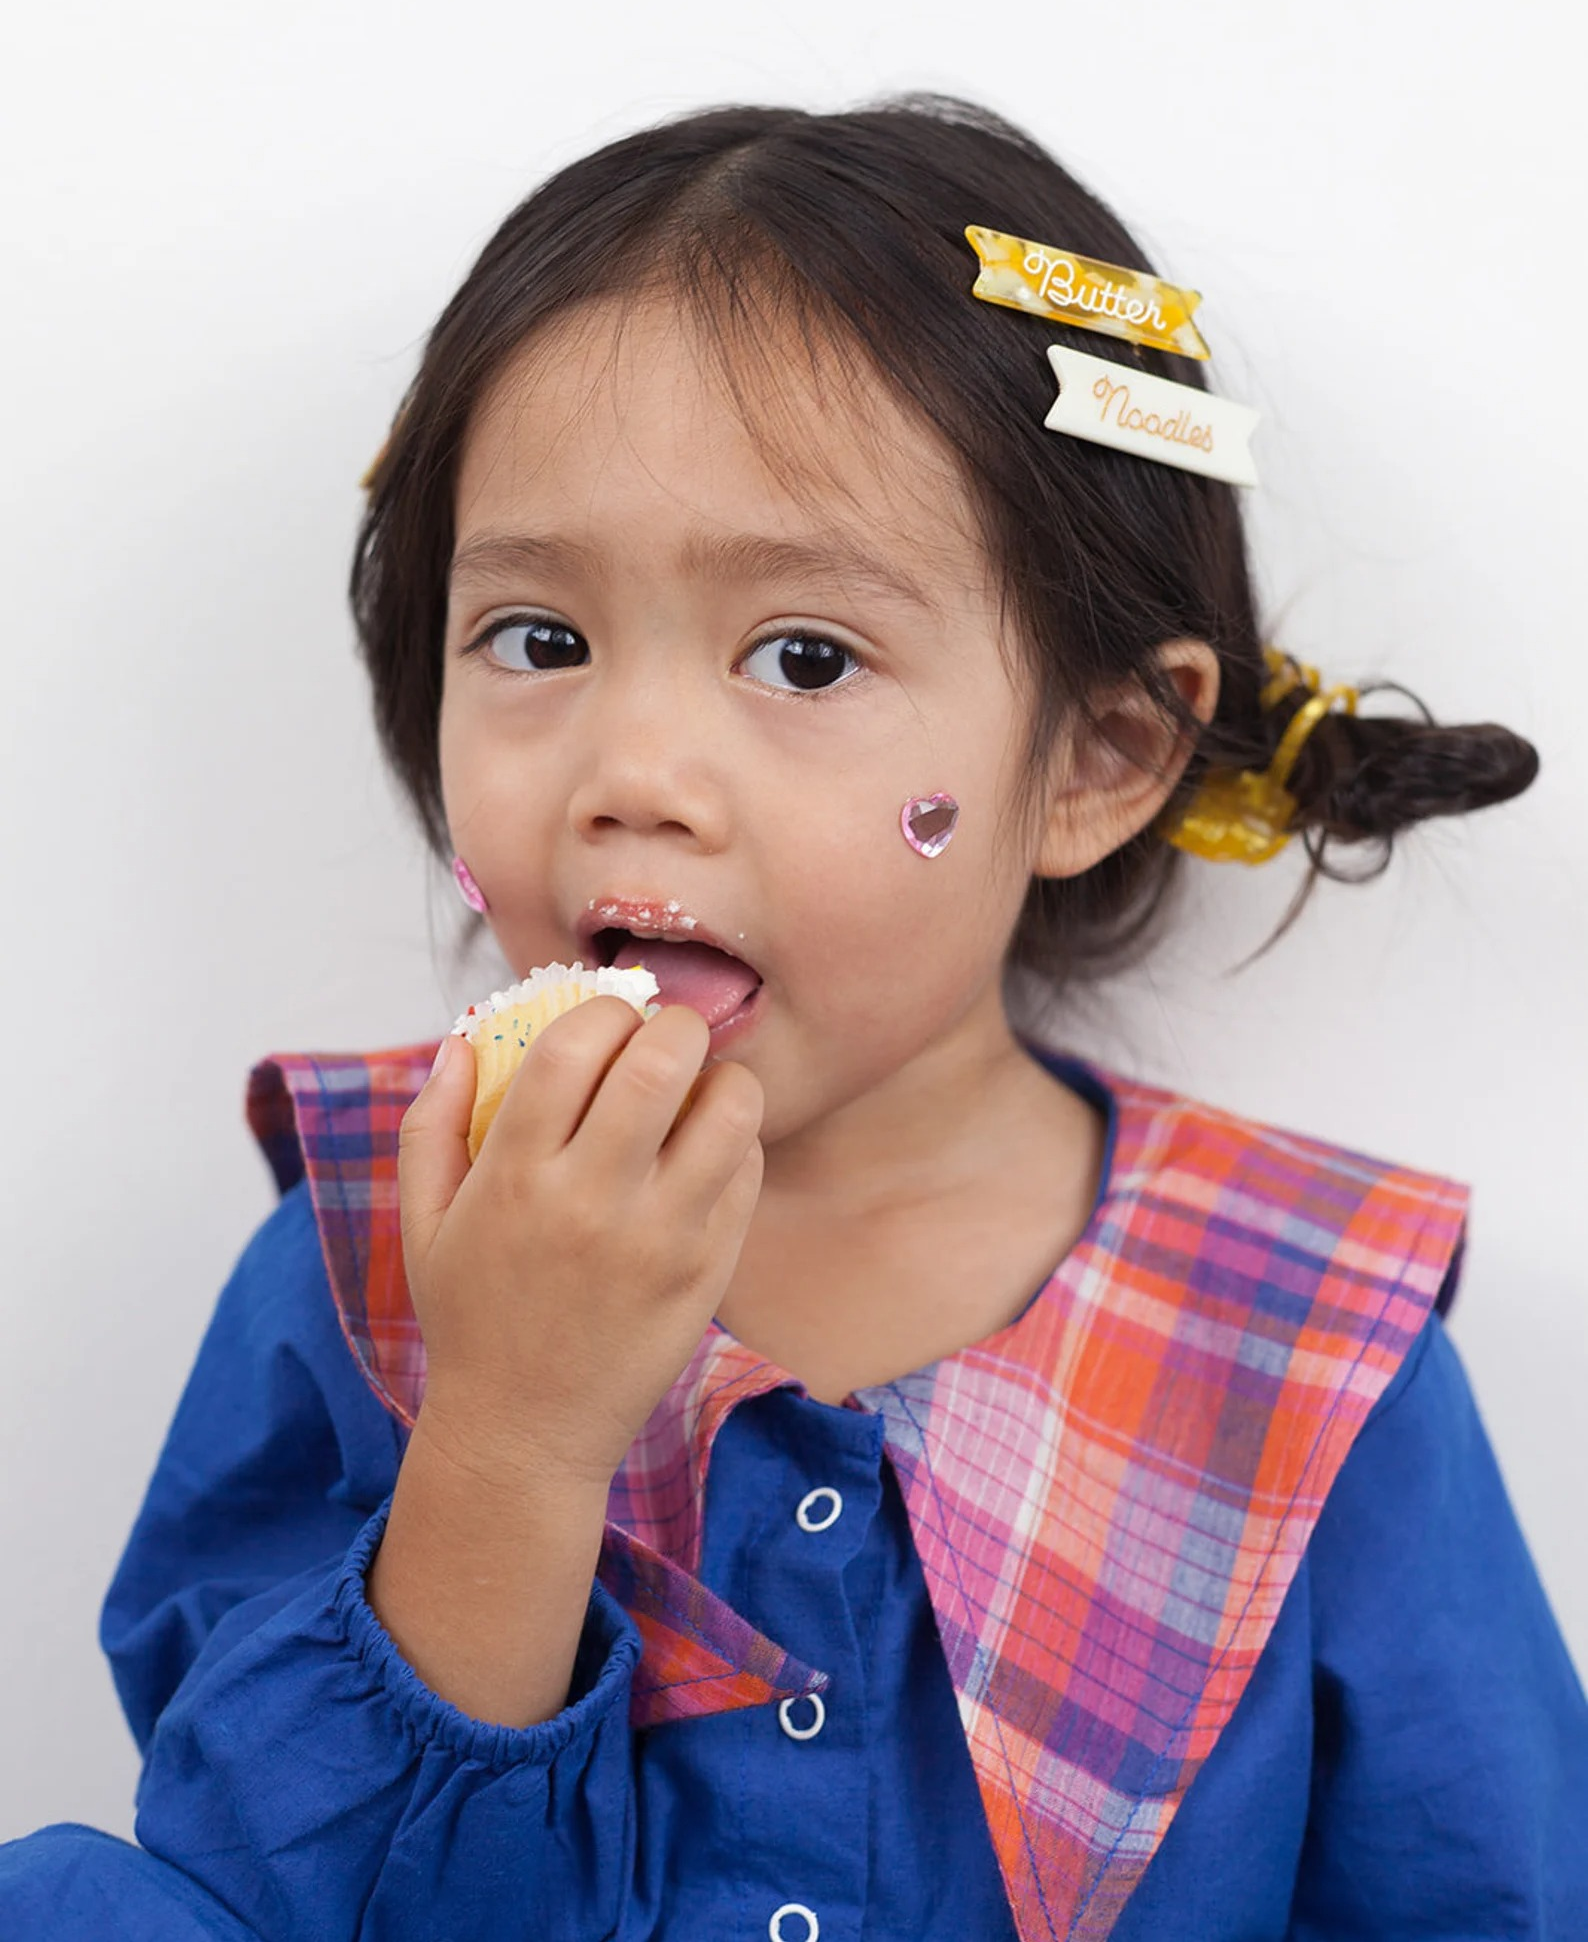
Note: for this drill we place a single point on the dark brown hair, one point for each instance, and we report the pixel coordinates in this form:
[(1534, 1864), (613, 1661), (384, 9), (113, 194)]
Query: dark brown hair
[(853, 223)]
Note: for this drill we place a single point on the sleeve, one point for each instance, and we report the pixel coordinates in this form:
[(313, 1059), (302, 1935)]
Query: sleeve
[(300, 1783), (278, 1453), (1450, 1760)]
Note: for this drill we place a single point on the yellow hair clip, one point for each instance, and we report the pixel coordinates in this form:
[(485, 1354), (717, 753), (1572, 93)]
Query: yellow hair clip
[(1239, 815), (367, 482)]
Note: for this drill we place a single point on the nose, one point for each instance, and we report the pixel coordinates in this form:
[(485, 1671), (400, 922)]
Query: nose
[(647, 759)]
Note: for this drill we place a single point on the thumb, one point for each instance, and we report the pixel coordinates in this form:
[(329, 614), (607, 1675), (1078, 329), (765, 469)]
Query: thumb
[(433, 1145)]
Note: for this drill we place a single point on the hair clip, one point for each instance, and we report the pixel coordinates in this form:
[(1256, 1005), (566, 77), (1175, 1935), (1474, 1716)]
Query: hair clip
[(1176, 424), (1240, 815), (1100, 399), (372, 470), (1078, 290), (368, 480)]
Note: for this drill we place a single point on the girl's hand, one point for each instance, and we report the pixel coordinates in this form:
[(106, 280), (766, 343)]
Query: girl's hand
[(563, 1281)]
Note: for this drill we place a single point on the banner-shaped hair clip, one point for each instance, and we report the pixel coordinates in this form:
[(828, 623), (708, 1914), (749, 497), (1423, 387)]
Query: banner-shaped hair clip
[(1177, 424), (1070, 289)]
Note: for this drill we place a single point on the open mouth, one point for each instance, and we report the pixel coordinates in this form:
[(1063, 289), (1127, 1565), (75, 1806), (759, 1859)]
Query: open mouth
[(710, 981)]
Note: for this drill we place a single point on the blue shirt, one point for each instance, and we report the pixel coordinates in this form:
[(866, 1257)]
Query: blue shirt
[(1409, 1758)]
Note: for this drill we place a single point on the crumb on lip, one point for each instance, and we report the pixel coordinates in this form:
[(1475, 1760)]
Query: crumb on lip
[(654, 916)]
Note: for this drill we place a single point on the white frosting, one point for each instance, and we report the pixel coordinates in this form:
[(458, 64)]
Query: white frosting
[(636, 984)]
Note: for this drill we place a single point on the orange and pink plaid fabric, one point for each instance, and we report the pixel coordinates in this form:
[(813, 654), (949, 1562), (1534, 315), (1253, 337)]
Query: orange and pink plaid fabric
[(1110, 1497)]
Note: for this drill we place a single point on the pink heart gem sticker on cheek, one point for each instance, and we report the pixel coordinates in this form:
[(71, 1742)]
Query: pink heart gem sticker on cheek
[(471, 892), (928, 823)]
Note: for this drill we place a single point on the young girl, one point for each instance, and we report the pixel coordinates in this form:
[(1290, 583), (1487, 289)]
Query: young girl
[(930, 1487)]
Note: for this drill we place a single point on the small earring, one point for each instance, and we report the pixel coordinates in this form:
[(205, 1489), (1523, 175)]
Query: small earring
[(928, 823), (470, 891)]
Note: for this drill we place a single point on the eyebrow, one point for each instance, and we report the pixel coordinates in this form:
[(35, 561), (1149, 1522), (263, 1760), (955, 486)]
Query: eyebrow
[(831, 558)]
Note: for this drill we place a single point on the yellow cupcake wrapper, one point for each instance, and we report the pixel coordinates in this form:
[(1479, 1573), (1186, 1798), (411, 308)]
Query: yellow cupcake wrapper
[(502, 1029)]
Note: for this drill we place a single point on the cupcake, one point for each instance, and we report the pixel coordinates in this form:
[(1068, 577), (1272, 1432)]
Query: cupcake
[(502, 1027)]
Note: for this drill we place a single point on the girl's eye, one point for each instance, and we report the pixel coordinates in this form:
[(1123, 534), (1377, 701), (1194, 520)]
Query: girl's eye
[(809, 662), (527, 644), (546, 644)]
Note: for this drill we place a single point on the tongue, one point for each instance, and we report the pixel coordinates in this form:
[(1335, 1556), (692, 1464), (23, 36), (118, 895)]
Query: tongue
[(705, 979)]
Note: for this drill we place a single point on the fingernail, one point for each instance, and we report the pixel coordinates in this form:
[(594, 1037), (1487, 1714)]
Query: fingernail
[(441, 1055)]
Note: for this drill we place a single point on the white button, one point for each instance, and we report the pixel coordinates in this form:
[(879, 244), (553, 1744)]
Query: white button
[(806, 1516), (818, 1717), (778, 1933)]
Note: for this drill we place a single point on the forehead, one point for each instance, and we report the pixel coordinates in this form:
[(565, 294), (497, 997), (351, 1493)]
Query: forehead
[(646, 409)]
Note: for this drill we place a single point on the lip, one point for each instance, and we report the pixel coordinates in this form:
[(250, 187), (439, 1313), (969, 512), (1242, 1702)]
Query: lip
[(673, 919), (743, 1020)]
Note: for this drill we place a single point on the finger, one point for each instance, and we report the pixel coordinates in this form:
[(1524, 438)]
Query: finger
[(433, 1146), (708, 1146), (641, 1097), (549, 1095), (728, 1221)]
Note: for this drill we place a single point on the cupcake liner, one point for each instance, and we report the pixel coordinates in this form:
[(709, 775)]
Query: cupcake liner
[(502, 1028)]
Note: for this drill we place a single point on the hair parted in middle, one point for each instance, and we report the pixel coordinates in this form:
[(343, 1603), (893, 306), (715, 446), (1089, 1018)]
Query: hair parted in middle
[(850, 227)]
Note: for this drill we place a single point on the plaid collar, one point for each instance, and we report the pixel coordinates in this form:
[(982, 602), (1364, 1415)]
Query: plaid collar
[(1110, 1497)]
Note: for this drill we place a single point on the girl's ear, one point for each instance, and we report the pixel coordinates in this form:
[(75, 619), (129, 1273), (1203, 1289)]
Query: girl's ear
[(1111, 780)]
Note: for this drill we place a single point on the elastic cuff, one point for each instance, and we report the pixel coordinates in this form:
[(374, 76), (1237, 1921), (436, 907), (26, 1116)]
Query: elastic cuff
[(609, 1642)]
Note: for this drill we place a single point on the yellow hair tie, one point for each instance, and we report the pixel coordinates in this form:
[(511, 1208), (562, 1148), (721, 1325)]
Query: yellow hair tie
[(1239, 815), (1284, 674)]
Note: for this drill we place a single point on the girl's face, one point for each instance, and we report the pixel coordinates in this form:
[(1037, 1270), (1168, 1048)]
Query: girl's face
[(724, 659)]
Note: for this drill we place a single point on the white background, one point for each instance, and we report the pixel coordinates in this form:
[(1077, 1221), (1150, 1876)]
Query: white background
[(227, 230)]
